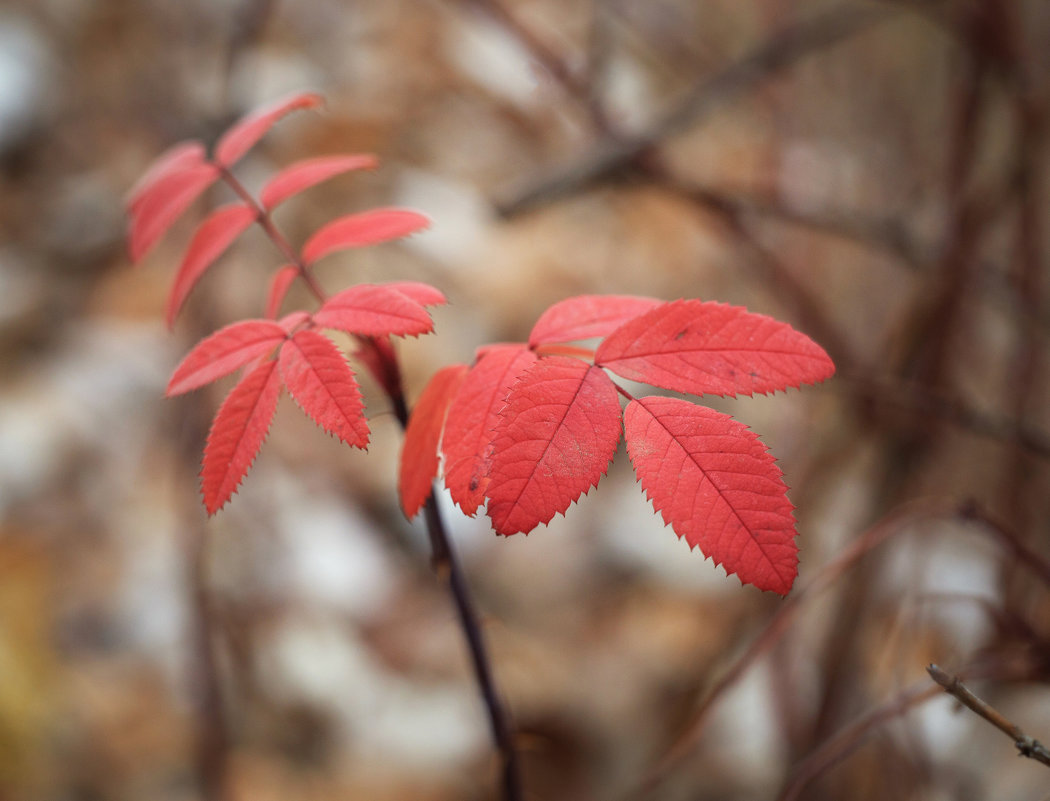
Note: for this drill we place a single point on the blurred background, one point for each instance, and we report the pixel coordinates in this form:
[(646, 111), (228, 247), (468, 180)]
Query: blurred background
[(874, 173)]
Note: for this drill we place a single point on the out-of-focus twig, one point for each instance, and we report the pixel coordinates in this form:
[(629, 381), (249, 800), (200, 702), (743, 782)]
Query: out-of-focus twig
[(916, 397), (850, 738), (778, 625), (1026, 746), (608, 158)]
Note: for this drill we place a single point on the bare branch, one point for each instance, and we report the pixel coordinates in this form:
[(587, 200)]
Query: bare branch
[(1026, 746), (608, 158)]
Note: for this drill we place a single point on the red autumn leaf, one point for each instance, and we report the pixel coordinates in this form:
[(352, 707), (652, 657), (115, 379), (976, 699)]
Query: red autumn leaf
[(364, 228), (239, 139), (223, 352), (472, 417), (374, 310), (301, 175), (178, 158), (423, 294), (282, 280), (213, 236), (293, 320), (322, 383), (714, 482), (237, 433), (712, 348), (586, 316), (157, 210), (419, 452), (554, 441)]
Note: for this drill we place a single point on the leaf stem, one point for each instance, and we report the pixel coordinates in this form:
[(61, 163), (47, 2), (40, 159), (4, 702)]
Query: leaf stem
[(384, 365)]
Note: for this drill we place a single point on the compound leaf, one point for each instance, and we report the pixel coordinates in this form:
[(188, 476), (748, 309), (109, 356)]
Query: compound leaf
[(717, 486), (554, 441), (301, 175), (374, 310), (321, 382), (237, 432), (243, 134), (419, 452), (364, 228), (712, 348), (216, 233), (223, 352), (586, 316), (472, 417)]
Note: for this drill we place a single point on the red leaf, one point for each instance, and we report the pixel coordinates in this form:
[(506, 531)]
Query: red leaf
[(179, 157), (711, 348), (714, 482), (282, 280), (213, 236), (374, 310), (554, 441), (300, 176), (157, 210), (419, 452), (237, 433), (322, 383), (587, 316), (239, 139), (293, 320), (423, 294), (473, 415), (359, 230), (223, 352)]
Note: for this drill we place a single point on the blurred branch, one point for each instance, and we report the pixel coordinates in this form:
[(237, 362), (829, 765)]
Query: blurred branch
[(932, 403), (611, 156), (1026, 746), (850, 738), (776, 627), (578, 85)]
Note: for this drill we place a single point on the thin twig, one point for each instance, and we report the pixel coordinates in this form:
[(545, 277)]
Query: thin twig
[(849, 739), (1026, 746), (607, 158), (777, 625)]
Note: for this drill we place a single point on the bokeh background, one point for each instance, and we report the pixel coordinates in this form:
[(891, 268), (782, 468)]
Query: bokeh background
[(874, 173)]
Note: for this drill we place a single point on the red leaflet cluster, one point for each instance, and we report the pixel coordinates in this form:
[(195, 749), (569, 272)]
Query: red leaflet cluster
[(293, 354), (530, 428), (290, 353)]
